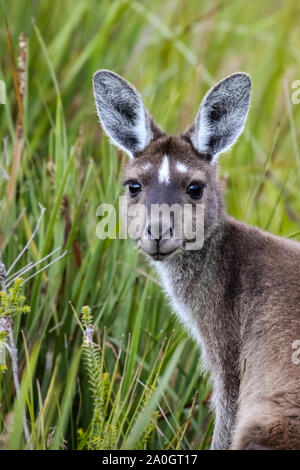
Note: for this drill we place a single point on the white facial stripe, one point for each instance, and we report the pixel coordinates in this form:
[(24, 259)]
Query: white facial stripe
[(147, 166), (181, 167), (164, 171)]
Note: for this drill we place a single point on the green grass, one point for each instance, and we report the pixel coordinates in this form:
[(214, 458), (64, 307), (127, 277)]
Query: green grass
[(172, 52)]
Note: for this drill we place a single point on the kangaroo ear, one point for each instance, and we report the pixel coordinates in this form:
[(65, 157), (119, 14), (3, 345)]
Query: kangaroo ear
[(122, 113), (221, 116)]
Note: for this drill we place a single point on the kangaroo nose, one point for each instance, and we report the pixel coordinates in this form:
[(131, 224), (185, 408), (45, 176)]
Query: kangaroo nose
[(158, 232), (159, 239)]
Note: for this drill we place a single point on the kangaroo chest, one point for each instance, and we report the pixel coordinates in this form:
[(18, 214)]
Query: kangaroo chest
[(190, 289), (195, 286)]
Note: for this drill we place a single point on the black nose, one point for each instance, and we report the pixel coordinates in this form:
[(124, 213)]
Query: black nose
[(158, 233)]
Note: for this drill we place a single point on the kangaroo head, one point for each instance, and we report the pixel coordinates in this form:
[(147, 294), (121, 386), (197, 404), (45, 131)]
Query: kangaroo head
[(176, 171)]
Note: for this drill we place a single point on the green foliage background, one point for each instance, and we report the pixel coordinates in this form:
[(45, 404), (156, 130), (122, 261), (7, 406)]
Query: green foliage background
[(172, 51)]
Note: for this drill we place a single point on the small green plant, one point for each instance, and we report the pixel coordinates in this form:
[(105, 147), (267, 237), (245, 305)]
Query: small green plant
[(110, 416), (12, 304), (100, 434)]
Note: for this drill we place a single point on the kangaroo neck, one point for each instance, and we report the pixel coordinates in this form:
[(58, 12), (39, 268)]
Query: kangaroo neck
[(190, 275)]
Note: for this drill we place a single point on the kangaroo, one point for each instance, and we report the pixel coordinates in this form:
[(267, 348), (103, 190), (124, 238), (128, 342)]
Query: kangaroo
[(239, 294)]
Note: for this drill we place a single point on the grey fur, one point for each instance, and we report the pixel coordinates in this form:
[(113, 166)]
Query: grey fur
[(222, 115), (122, 112), (239, 296)]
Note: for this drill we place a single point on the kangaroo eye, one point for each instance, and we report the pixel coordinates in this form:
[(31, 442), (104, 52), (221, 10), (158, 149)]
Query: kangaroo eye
[(134, 188), (195, 190)]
